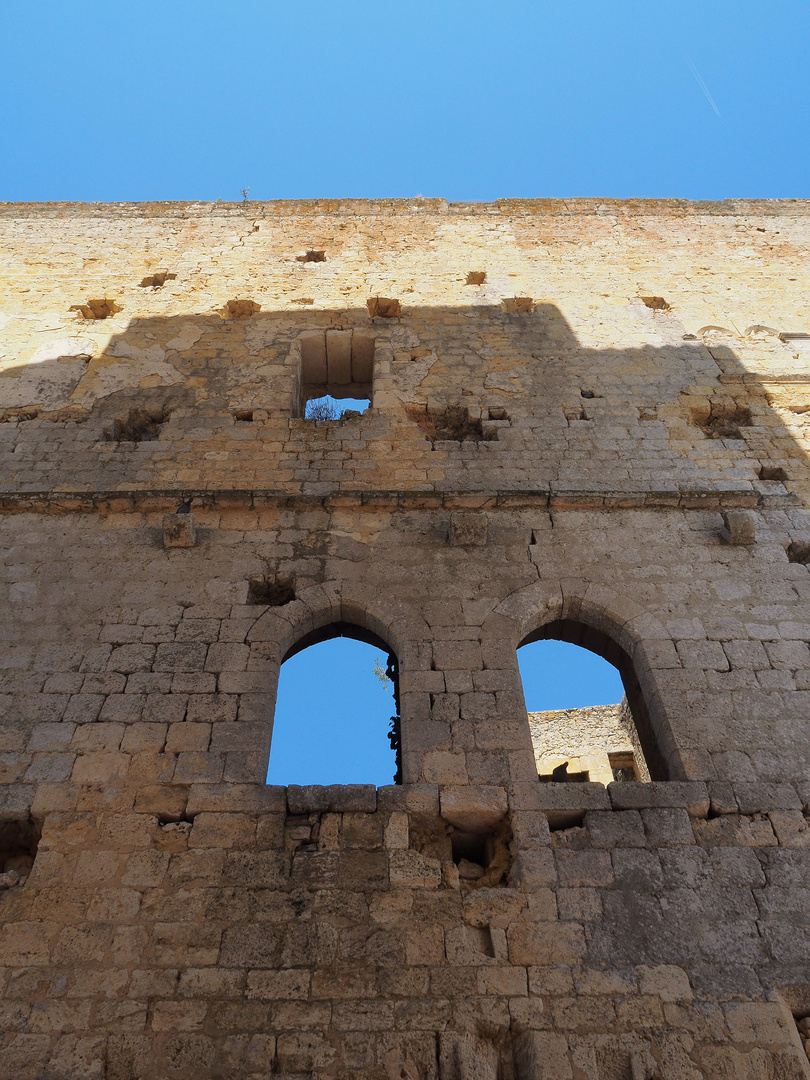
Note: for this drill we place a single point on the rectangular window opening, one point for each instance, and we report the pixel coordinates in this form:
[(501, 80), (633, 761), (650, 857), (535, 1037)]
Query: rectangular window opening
[(623, 766), (337, 374)]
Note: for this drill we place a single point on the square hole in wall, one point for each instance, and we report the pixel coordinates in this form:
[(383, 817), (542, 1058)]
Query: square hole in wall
[(623, 766), (337, 374), (271, 590)]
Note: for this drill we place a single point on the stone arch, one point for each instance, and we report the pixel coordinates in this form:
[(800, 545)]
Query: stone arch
[(616, 628), (332, 610)]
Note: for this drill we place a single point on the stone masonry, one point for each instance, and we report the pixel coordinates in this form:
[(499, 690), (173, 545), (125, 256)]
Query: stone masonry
[(589, 421)]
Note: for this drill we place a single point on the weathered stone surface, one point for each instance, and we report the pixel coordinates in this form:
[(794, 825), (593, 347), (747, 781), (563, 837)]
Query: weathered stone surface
[(556, 448), (473, 808), (337, 798)]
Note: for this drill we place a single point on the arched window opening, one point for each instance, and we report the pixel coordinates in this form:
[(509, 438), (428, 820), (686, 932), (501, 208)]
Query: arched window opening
[(587, 714), (337, 711)]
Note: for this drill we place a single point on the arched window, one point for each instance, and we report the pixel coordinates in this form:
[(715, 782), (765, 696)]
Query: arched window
[(337, 710), (591, 721)]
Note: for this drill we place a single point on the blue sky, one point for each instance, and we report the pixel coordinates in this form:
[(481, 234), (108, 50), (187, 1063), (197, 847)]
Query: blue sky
[(472, 101)]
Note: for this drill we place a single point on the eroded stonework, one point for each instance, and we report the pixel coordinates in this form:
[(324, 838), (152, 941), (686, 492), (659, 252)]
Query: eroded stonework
[(588, 421)]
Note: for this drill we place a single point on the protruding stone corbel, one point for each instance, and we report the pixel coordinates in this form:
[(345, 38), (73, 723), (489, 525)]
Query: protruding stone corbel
[(468, 528), (178, 531), (739, 527)]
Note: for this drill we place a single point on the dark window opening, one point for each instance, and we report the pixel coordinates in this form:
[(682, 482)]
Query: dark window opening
[(311, 256), (337, 712), (623, 766), (483, 858), (587, 713), (19, 841), (337, 374), (243, 416)]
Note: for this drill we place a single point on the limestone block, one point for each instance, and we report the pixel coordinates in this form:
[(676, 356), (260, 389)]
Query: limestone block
[(584, 868), (693, 796), (542, 1055), (532, 870), (791, 827), (245, 798), (468, 529), (411, 870), (473, 808), (178, 531), (545, 943), (565, 804), (466, 1057), (609, 829), (396, 831), (760, 798), (739, 527), (339, 798), (668, 826)]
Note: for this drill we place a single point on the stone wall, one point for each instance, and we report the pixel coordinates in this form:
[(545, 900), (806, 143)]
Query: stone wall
[(596, 742), (602, 442)]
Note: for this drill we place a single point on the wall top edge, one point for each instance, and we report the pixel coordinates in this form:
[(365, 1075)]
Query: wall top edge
[(363, 207)]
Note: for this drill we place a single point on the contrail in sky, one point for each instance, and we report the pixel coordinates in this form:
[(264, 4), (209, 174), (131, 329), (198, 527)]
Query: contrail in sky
[(703, 86)]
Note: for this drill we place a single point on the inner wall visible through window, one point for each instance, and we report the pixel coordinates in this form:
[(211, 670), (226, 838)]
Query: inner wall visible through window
[(332, 717), (557, 675), (580, 732)]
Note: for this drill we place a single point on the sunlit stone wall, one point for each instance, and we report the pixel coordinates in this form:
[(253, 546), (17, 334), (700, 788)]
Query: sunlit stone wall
[(585, 416)]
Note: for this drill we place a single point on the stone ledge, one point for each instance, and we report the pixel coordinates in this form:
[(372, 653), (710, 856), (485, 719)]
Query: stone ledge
[(150, 500), (473, 807), (692, 795), (756, 798), (339, 798), (244, 798), (413, 798)]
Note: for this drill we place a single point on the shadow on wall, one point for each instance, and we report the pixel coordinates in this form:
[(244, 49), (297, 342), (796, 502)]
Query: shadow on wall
[(689, 415), (462, 390)]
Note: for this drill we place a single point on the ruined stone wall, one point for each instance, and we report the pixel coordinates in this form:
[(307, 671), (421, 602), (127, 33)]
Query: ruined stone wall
[(604, 441)]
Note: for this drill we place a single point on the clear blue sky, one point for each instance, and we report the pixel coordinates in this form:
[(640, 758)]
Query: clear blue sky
[(472, 101)]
